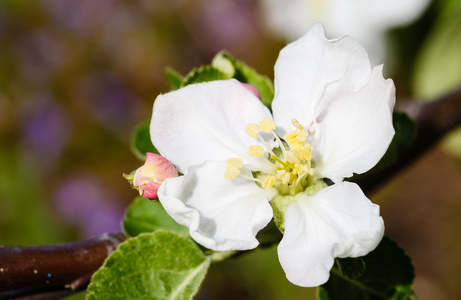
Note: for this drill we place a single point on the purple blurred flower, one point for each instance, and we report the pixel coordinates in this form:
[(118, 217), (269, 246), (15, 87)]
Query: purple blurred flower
[(84, 16), (219, 25), (45, 129), (84, 202), (40, 54), (110, 102)]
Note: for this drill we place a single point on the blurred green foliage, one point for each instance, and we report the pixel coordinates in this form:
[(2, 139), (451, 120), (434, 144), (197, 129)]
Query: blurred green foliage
[(28, 220), (438, 65)]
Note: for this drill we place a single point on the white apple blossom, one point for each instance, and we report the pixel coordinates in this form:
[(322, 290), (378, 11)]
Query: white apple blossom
[(366, 20), (332, 117)]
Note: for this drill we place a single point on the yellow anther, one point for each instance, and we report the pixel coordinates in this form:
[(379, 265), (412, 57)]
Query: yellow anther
[(267, 125), (303, 169), (268, 182), (234, 162), (305, 152), (255, 151), (287, 171), (252, 130), (295, 146), (280, 174), (291, 135), (231, 173), (286, 178), (290, 156), (297, 124), (302, 136), (298, 169)]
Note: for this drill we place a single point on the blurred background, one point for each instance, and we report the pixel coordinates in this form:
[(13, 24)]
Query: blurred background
[(77, 75)]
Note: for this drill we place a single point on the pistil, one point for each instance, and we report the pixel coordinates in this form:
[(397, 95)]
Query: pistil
[(289, 171)]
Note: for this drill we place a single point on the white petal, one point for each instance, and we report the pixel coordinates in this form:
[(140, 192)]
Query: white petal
[(221, 214), (305, 68), (339, 221), (205, 121), (356, 129)]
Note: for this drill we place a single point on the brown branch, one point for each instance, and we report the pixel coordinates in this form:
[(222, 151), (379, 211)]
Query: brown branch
[(50, 272), (433, 121)]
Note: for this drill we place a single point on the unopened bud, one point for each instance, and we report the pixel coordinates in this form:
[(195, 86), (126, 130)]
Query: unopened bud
[(148, 178)]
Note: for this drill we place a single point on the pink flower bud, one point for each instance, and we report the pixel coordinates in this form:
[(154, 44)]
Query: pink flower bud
[(150, 176), (252, 89)]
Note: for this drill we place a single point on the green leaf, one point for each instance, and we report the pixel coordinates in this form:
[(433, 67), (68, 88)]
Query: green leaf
[(388, 274), (351, 267), (145, 215), (159, 265), (204, 74), (140, 141), (174, 78), (224, 66), (246, 74)]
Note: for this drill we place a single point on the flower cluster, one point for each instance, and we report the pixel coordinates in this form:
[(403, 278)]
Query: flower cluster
[(243, 166)]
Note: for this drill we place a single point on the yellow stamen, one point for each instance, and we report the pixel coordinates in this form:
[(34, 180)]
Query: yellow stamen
[(291, 135), (305, 152), (252, 130), (268, 182), (297, 124), (287, 171), (231, 173), (286, 178), (234, 162), (302, 136), (255, 151), (292, 157), (267, 125), (280, 174), (279, 160)]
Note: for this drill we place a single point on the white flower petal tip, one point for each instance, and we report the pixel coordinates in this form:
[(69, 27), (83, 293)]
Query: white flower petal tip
[(205, 121), (221, 214), (339, 221), (310, 67)]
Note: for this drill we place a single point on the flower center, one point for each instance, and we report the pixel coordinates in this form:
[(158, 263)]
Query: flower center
[(291, 165)]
